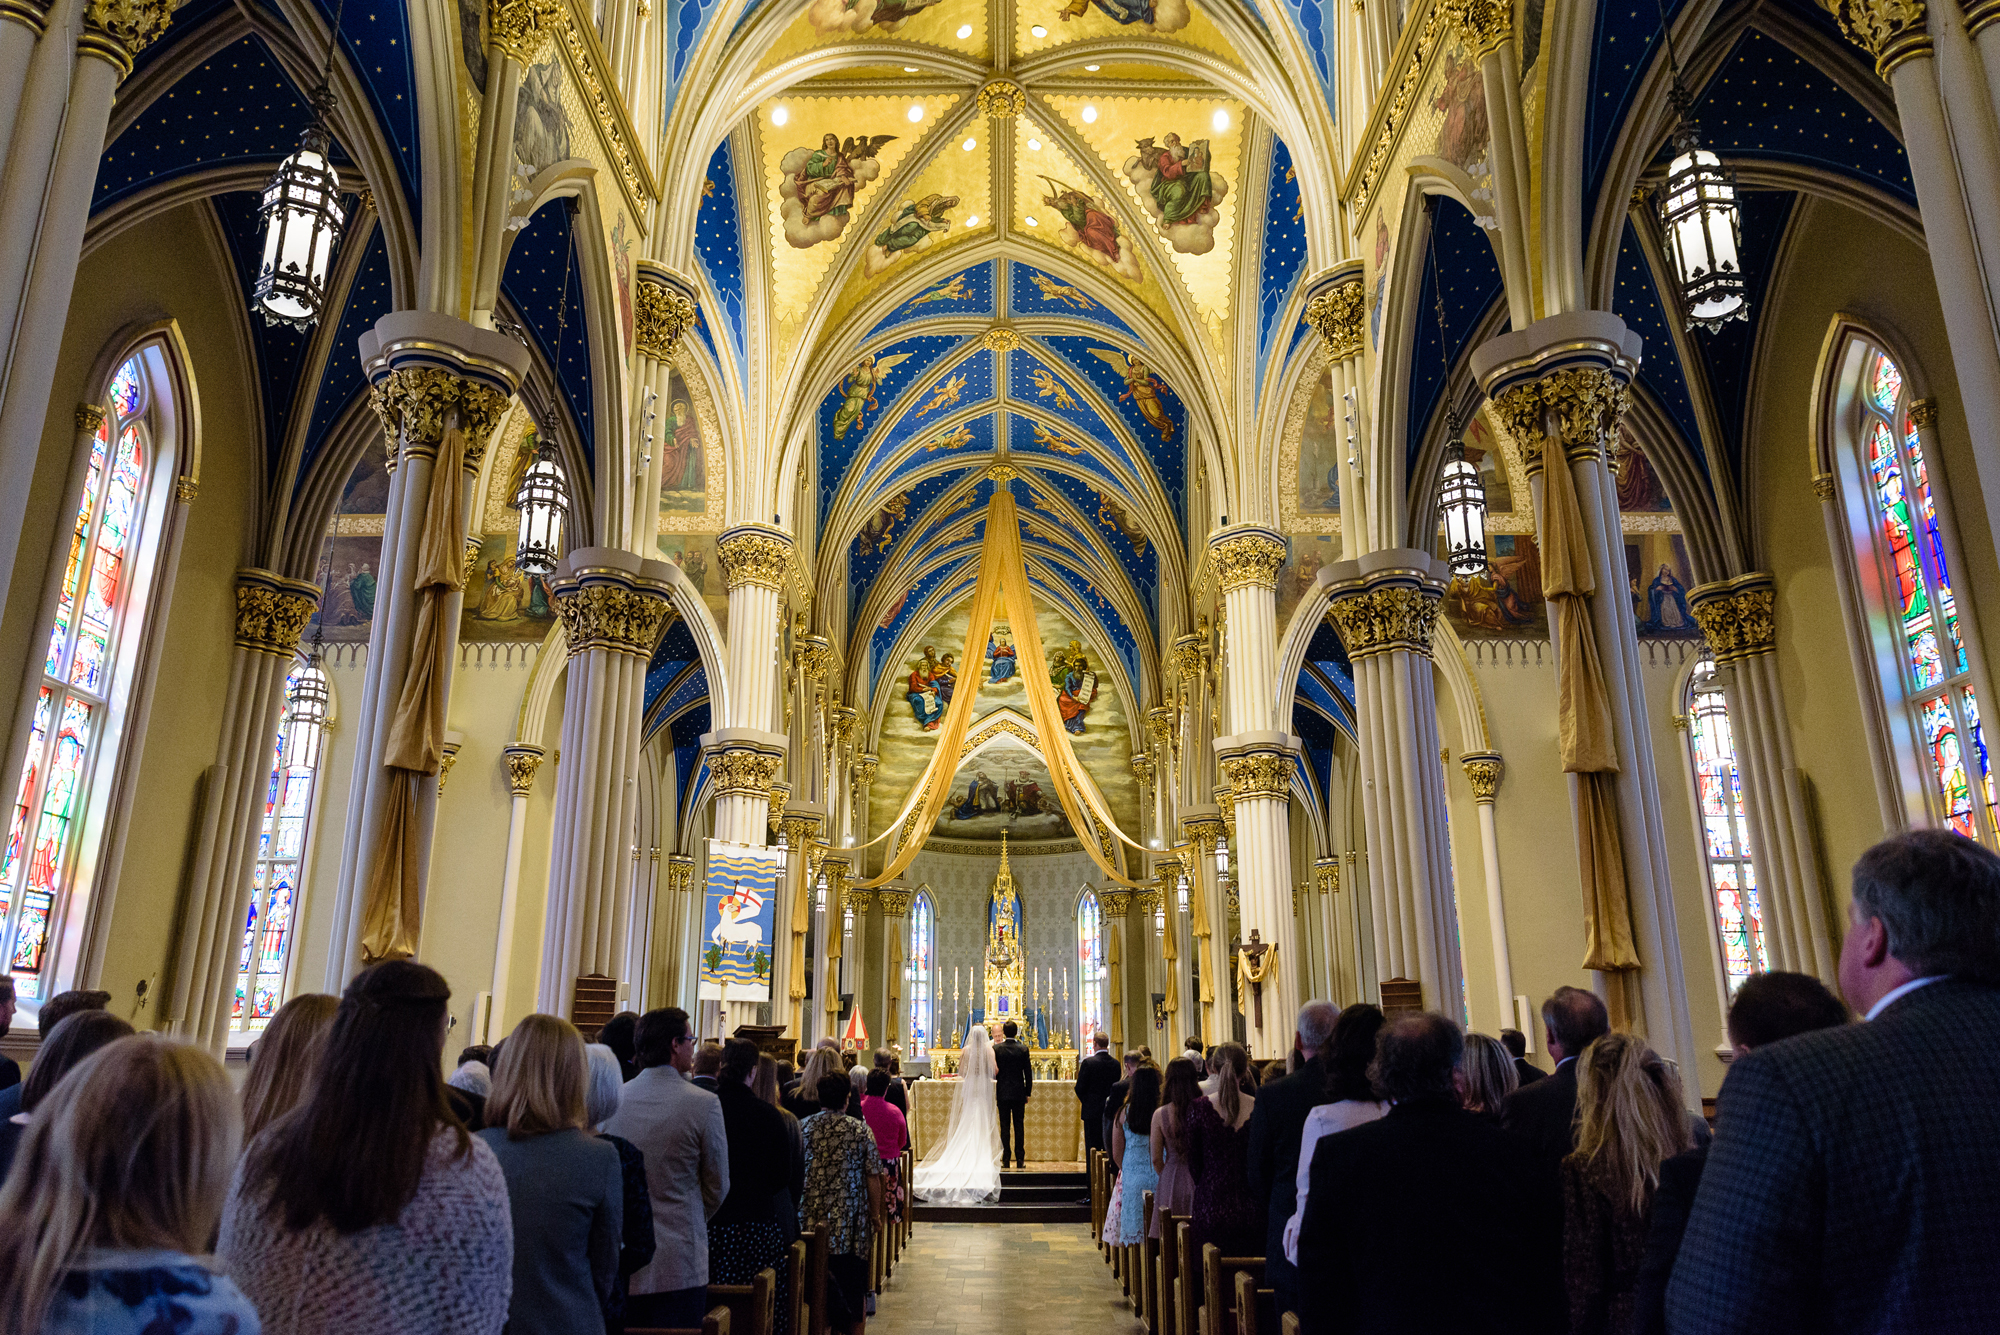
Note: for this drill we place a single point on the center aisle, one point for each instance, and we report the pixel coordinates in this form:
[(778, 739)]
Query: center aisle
[(1002, 1279)]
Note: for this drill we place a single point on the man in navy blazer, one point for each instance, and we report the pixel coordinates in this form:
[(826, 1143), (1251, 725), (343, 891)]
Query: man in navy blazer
[(1544, 1113), (1854, 1184)]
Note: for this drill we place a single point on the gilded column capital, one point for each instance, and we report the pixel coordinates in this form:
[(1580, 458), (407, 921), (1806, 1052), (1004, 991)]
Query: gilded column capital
[(272, 612), (740, 772), (89, 417), (1483, 769), (522, 762), (1165, 729), (680, 873), (1892, 31), (1204, 832), (801, 828), (860, 901), (1258, 774), (1377, 618), (424, 400), (1338, 313), (1823, 486), (621, 617), (775, 798), (1924, 412), (1738, 617), (472, 550), (1326, 875), (448, 756), (1245, 557), (815, 655), (1002, 100), (756, 555), (1142, 770), (186, 488), (1184, 659), (1225, 802), (840, 721), (1483, 25), (1115, 903), (118, 30), (864, 767), (896, 903), (521, 28), (664, 311)]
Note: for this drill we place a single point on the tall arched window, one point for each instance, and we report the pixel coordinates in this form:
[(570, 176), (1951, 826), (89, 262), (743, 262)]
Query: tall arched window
[(281, 846), (1912, 587), (81, 679), (1725, 833), (917, 974), (1090, 1010)]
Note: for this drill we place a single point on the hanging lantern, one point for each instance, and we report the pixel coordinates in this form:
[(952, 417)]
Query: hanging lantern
[(305, 717), (1222, 859), (1159, 920), (819, 894), (1462, 503), (1704, 233), (544, 504), (302, 219), (1181, 893)]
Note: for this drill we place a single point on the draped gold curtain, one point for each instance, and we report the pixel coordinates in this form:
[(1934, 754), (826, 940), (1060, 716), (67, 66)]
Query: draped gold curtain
[(1003, 585)]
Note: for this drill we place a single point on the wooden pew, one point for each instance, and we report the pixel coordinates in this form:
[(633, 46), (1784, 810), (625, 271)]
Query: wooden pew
[(795, 1294), (813, 1284), (1148, 1267), (1218, 1279), (1166, 1273), (752, 1306), (1255, 1309), (1187, 1278), (1288, 1324), (716, 1322)]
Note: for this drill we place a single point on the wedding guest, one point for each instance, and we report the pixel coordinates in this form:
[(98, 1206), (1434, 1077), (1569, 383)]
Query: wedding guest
[(766, 1087), (746, 1234), (1351, 1102), (1095, 1075), (370, 1210), (1131, 1141), (1218, 1156), (1630, 1121), (885, 1062), (679, 1130), (707, 1064), (53, 1012), (1525, 1071), (843, 1195), (283, 1059), (1114, 1102), (123, 1172), (66, 1047), (1544, 1113), (1276, 1125), (10, 1070), (636, 1244), (565, 1186), (1486, 1076), (1180, 1090), (617, 1034)]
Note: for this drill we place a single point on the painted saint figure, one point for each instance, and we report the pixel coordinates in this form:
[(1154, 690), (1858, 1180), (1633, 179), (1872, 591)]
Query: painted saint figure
[(981, 795), (1182, 186), (1095, 228), (1079, 690), (680, 458), (925, 705), (916, 220), (1001, 657)]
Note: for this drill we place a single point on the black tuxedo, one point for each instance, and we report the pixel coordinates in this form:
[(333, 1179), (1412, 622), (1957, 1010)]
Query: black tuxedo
[(1277, 1124), (1852, 1182), (1095, 1075), (1114, 1103), (1544, 1115), (1013, 1082), (1431, 1219), (1528, 1072)]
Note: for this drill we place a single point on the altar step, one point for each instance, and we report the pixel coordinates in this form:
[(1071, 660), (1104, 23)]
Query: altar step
[(1025, 1198)]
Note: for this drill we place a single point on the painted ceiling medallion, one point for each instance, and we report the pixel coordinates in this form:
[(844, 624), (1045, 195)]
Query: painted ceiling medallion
[(1001, 100), (1001, 338)]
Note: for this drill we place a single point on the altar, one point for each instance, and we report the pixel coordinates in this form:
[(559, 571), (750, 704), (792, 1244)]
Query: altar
[(1054, 1121)]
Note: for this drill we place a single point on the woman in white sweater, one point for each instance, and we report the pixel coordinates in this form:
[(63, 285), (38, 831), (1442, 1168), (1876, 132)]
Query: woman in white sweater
[(368, 1209), (1350, 1051)]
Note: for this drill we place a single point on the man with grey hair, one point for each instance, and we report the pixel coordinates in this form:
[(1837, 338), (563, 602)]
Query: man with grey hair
[(1277, 1124), (1854, 1184), (1431, 1218)]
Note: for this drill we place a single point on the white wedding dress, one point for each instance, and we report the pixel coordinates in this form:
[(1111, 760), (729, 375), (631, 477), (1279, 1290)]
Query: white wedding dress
[(964, 1169)]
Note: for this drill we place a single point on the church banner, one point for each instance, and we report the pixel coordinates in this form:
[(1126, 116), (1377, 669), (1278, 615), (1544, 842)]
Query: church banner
[(738, 912)]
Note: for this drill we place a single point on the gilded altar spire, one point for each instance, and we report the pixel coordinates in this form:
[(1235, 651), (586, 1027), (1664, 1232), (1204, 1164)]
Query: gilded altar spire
[(1005, 880)]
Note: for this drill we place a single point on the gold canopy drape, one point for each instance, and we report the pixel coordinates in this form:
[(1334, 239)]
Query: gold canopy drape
[(1003, 584)]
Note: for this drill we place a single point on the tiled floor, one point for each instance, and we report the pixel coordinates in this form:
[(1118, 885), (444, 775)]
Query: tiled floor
[(1002, 1279)]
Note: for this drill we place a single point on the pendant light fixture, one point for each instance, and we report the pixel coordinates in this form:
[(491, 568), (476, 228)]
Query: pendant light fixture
[(1698, 213), (302, 216), (543, 498), (1461, 495), (307, 697)]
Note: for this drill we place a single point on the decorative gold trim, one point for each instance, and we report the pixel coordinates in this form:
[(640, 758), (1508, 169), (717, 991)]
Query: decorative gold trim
[(680, 873), (1924, 412), (423, 399), (744, 773), (663, 317), (272, 612), (1823, 486), (1000, 338), (1392, 113), (1114, 903), (1583, 404), (130, 25), (1246, 558), (521, 28), (28, 15), (89, 417), (185, 489), (1326, 875), (896, 903), (585, 57), (1002, 100), (1483, 25), (447, 757), (1892, 31), (761, 557), (1484, 773), (1738, 617), (522, 762), (1980, 14), (1258, 774), (1338, 316), (1378, 620)]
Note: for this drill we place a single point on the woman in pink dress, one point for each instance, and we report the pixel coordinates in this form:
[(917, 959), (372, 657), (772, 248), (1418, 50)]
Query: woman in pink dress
[(1175, 1193)]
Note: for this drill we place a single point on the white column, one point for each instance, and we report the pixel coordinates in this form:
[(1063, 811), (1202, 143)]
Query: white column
[(522, 762), (1484, 770)]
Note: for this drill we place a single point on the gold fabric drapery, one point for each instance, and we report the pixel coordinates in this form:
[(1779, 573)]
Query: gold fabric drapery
[(391, 912), (1588, 747), (1003, 583)]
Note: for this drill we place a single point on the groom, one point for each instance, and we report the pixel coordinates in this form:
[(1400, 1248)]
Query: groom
[(1013, 1081)]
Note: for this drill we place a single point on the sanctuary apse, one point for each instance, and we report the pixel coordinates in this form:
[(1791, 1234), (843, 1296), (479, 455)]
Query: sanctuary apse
[(1255, 473)]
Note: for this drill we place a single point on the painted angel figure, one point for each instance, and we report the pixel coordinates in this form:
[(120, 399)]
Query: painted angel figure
[(1140, 388), (858, 390)]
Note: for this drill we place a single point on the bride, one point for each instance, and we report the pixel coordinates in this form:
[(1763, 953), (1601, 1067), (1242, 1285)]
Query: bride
[(964, 1168)]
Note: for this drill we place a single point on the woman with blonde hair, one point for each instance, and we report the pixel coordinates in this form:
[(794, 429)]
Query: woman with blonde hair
[(1486, 1076), (564, 1185), (119, 1186), (283, 1059), (1630, 1120)]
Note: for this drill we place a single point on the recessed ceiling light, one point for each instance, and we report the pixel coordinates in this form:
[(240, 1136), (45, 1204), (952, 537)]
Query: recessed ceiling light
[(972, 220), (1039, 31), (1220, 120), (1089, 115), (779, 115), (1035, 145), (969, 145), (1032, 221), (964, 31), (916, 113), (1091, 68)]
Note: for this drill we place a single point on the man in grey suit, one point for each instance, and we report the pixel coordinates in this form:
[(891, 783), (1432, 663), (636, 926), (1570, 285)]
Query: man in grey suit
[(679, 1129), (1854, 1184)]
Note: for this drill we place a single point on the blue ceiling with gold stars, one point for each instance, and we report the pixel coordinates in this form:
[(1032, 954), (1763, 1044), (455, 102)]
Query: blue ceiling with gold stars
[(545, 286)]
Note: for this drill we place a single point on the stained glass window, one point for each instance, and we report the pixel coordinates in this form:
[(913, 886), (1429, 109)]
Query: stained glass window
[(79, 671), (1921, 605), (267, 930), (1090, 970), (1725, 832), (917, 974)]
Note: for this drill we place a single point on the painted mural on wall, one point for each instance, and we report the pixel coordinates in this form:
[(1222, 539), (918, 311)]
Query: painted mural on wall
[(1304, 558), (1640, 490), (916, 224), (1005, 787), (1505, 601), (1158, 15), (1321, 449), (698, 559), (1657, 568), (857, 392), (1095, 716), (502, 601), (821, 184), (1461, 99), (683, 453), (1090, 229), (1178, 187), (878, 531), (351, 557), (541, 123), (857, 16)]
